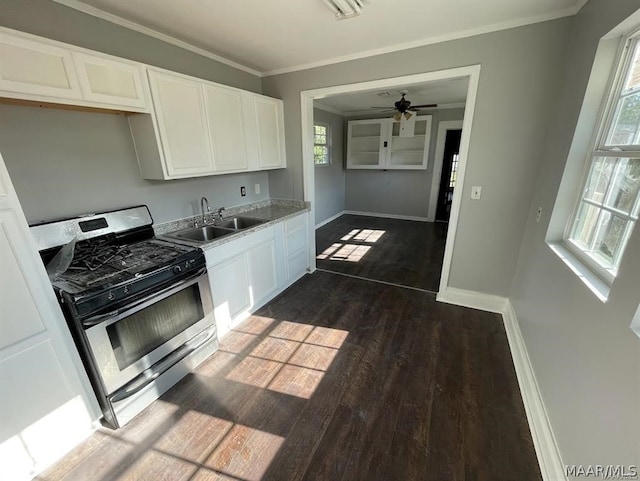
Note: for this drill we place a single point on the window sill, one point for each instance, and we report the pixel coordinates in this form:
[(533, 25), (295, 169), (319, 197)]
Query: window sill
[(596, 285)]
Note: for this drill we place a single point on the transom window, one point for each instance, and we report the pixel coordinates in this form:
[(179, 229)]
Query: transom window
[(608, 206), (321, 143)]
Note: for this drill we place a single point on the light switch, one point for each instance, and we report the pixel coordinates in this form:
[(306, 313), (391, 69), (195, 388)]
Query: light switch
[(257, 188), (476, 192)]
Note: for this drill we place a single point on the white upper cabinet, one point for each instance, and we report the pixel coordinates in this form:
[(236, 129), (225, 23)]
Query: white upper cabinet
[(265, 125), (36, 69), (182, 124), (109, 81), (227, 128), (389, 144)]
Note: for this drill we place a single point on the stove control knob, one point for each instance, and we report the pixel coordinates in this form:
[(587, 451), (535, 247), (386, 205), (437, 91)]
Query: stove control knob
[(177, 269), (111, 296)]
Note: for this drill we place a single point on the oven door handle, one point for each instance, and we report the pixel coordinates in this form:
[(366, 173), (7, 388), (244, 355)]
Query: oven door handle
[(95, 320)]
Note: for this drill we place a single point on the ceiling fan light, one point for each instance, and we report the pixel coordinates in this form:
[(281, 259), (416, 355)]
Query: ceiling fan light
[(408, 115), (397, 116)]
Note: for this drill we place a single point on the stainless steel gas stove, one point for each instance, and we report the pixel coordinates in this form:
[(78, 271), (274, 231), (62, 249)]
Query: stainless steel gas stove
[(139, 308)]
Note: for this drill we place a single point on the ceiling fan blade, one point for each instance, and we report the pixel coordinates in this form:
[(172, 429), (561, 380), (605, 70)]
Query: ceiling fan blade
[(424, 106), (387, 108)]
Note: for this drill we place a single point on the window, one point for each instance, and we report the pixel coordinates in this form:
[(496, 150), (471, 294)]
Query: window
[(607, 209), (321, 143)]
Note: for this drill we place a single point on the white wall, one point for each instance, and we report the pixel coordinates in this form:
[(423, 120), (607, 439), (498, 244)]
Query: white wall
[(63, 163), (520, 71), (329, 179), (585, 357), (397, 192)]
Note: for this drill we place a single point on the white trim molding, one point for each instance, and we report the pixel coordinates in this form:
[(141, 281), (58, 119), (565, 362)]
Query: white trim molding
[(386, 216), (438, 159), (549, 458), (330, 219), (473, 299), (548, 454), (307, 98)]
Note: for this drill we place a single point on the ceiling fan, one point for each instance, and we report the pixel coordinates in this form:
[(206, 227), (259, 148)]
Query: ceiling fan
[(404, 108)]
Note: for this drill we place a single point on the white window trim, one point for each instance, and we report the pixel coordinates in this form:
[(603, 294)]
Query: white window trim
[(327, 126), (601, 278)]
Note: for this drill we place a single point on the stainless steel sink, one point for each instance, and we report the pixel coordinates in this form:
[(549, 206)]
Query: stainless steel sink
[(215, 231), (202, 234), (239, 223)]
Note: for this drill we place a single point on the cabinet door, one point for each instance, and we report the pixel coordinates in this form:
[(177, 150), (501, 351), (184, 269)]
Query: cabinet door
[(267, 123), (367, 143), (229, 282), (36, 69), (262, 271), (46, 403), (296, 247), (227, 128), (410, 152), (110, 82), (180, 113)]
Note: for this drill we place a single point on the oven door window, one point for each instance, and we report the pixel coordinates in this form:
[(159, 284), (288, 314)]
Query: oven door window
[(135, 336)]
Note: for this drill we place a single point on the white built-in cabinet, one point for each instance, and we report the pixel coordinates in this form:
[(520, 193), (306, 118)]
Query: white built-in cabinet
[(42, 71), (243, 276), (389, 144), (46, 401), (246, 272), (203, 128), (182, 126), (104, 80), (227, 128)]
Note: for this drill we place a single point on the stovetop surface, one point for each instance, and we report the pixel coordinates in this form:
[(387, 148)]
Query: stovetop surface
[(101, 263)]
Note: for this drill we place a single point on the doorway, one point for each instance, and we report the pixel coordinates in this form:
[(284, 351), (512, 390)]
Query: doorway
[(448, 177), (307, 98)]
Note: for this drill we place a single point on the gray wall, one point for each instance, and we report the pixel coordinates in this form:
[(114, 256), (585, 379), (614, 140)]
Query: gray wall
[(586, 359), (53, 20), (520, 71), (397, 192), (64, 163), (329, 179)]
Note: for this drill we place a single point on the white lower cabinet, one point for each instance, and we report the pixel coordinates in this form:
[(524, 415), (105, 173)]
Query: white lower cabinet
[(249, 271)]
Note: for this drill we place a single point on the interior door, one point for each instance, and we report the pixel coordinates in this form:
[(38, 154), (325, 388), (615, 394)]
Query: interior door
[(46, 402), (449, 174)]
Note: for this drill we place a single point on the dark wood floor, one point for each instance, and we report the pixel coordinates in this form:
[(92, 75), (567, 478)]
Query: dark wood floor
[(404, 252), (337, 379)]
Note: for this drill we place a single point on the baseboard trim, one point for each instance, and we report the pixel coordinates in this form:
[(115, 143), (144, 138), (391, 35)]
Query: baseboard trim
[(330, 219), (388, 216), (549, 459), (473, 299)]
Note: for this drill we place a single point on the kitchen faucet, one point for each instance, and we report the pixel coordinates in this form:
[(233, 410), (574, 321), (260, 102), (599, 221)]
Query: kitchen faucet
[(204, 201)]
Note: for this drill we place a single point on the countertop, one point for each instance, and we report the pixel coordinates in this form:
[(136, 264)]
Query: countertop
[(271, 210)]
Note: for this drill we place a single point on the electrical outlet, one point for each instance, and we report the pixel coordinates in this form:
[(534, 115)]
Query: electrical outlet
[(539, 214), (243, 191), (257, 188), (476, 192)]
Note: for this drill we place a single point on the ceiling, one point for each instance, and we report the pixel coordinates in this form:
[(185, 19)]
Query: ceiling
[(449, 93), (276, 36)]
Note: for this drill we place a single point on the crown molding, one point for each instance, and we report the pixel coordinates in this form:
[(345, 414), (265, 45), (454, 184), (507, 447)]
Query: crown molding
[(109, 17)]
